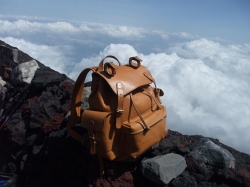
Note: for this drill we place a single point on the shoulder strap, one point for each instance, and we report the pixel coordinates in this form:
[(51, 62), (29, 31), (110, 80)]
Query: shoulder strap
[(76, 100), (75, 116)]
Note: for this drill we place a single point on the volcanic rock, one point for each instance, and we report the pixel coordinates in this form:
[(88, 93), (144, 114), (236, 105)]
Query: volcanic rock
[(214, 156), (163, 168)]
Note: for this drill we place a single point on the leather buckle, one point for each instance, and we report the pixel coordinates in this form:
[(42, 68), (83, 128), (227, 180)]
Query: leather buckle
[(110, 68), (120, 111), (134, 65), (92, 145)]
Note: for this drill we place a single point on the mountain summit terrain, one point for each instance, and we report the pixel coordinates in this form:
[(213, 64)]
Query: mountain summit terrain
[(36, 151)]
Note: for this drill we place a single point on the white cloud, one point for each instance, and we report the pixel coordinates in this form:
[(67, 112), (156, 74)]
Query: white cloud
[(24, 17), (23, 26), (162, 34), (62, 27), (122, 31), (20, 26), (208, 90), (201, 98), (184, 35), (232, 60)]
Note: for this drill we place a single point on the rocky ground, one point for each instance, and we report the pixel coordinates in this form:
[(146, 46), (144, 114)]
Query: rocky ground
[(35, 146)]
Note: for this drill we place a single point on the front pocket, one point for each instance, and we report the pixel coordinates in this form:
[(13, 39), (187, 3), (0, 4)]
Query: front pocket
[(136, 139), (101, 126), (94, 120)]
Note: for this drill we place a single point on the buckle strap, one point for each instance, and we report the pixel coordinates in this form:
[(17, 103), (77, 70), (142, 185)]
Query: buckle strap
[(92, 140), (157, 95), (89, 142), (138, 113), (120, 100)]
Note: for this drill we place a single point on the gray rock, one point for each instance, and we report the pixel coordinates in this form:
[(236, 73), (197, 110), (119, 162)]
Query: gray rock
[(210, 156), (45, 76), (31, 139), (58, 134), (17, 117), (185, 150), (184, 180), (85, 96), (2, 83), (162, 169), (18, 133), (27, 71), (37, 149), (44, 109)]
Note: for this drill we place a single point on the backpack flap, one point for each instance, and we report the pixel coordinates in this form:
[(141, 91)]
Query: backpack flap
[(129, 76)]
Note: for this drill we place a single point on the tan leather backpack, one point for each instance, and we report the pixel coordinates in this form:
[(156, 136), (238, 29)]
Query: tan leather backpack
[(125, 115)]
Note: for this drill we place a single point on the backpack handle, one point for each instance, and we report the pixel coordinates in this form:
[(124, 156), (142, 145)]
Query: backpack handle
[(110, 68), (137, 59), (100, 67)]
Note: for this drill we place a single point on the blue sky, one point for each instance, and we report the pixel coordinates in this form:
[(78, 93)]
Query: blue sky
[(198, 52)]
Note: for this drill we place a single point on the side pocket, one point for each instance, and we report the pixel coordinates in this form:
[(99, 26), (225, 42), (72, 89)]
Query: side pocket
[(101, 126)]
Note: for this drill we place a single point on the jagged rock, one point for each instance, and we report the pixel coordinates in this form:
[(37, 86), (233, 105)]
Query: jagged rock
[(85, 96), (59, 133), (210, 156), (173, 142), (37, 149), (31, 139), (162, 169), (45, 76), (54, 123), (18, 133), (184, 180), (2, 83), (26, 71), (46, 112)]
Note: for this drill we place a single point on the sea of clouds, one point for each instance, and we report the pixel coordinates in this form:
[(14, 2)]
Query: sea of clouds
[(206, 81)]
